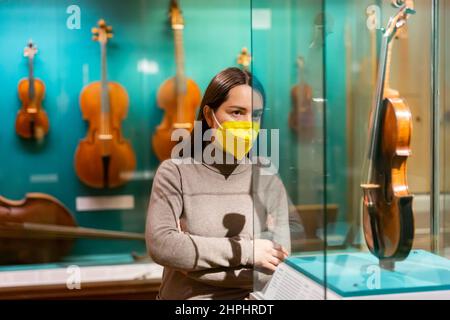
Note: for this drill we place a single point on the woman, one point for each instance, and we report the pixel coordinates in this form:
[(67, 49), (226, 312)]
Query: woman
[(219, 228)]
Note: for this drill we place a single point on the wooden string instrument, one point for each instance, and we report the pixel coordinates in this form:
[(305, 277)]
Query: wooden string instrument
[(179, 97), (244, 59), (388, 220), (301, 117), (40, 229), (32, 121), (104, 159)]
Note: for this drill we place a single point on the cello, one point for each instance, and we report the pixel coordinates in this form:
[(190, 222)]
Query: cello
[(104, 159), (40, 229), (32, 121), (301, 117), (179, 97), (388, 220)]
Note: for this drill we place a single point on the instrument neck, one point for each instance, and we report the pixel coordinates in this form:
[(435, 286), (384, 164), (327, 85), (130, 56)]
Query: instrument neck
[(301, 75), (4, 210), (377, 109), (388, 67), (52, 231), (244, 61), (31, 88), (179, 60), (105, 105), (373, 50), (180, 78), (319, 35)]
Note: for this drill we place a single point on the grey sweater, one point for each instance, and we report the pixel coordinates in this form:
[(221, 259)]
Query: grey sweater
[(200, 224)]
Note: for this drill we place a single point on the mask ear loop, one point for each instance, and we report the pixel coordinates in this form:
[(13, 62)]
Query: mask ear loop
[(215, 119)]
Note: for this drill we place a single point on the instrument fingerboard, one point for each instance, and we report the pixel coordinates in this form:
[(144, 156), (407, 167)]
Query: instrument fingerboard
[(179, 59), (30, 52), (102, 33)]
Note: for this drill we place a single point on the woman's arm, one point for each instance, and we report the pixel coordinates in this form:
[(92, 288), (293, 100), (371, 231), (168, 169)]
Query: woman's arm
[(170, 247)]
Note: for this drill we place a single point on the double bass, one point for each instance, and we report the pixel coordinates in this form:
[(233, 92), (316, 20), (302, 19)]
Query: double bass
[(104, 159), (388, 220), (179, 97), (32, 121), (40, 229)]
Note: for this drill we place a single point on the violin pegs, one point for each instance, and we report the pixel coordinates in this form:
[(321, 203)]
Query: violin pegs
[(109, 28), (95, 38), (110, 35), (101, 23), (94, 30)]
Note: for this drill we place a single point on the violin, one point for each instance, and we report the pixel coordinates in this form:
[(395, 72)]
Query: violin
[(104, 159), (31, 121), (40, 229), (179, 97), (388, 220), (301, 117), (244, 59)]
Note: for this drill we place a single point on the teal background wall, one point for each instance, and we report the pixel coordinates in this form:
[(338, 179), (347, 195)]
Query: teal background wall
[(215, 32)]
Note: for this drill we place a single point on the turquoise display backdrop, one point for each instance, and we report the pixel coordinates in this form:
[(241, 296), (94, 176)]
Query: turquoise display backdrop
[(68, 59)]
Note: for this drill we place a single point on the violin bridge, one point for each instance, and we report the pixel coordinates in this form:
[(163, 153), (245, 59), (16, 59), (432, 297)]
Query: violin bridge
[(182, 125), (105, 137)]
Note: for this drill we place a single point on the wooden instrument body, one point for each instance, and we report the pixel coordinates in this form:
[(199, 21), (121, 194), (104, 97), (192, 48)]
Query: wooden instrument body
[(391, 202), (16, 246), (170, 101), (93, 151), (31, 121), (104, 159)]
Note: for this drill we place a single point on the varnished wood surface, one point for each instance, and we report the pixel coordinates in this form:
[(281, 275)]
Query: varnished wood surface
[(132, 289)]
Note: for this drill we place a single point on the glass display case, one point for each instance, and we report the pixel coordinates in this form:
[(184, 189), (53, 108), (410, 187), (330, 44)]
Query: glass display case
[(368, 184)]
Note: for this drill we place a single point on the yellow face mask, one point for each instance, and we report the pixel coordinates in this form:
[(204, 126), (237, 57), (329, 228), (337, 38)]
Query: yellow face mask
[(236, 137)]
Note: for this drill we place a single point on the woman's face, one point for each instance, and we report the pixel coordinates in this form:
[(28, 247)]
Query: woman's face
[(243, 104)]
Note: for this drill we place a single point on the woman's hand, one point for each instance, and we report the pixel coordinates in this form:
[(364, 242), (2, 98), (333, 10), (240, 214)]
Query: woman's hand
[(268, 255)]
